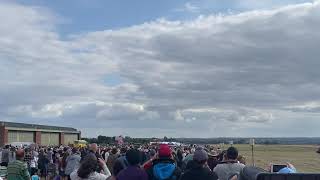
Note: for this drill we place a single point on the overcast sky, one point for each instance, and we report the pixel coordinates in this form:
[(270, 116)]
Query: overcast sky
[(205, 68)]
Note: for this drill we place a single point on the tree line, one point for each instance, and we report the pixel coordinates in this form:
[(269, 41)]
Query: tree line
[(127, 139)]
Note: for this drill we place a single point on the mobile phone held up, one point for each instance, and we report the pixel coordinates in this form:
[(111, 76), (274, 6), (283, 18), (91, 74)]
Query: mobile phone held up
[(277, 167)]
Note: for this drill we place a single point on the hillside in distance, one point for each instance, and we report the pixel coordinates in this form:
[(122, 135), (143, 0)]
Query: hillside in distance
[(260, 140)]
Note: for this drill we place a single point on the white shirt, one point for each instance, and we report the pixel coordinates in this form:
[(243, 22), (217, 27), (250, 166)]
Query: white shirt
[(34, 162), (106, 155), (93, 175)]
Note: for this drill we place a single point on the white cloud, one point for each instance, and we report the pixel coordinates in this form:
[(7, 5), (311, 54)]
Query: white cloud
[(203, 75), (188, 7)]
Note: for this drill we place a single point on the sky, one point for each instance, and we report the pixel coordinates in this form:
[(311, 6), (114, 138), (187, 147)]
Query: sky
[(205, 68)]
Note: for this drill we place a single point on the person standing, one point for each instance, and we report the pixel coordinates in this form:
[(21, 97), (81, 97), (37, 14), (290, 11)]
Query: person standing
[(18, 170), (34, 163), (112, 159), (27, 158), (73, 162), (164, 167), (230, 166), (88, 167), (50, 155), (43, 163), (5, 156), (121, 162), (133, 171), (200, 169)]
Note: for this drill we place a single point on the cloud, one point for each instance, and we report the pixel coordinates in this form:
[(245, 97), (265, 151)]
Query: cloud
[(191, 78), (312, 107), (188, 7)]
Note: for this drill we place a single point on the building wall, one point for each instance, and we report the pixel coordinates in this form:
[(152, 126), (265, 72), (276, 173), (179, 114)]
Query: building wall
[(3, 136), (61, 138), (51, 139), (21, 136), (70, 138), (38, 135)]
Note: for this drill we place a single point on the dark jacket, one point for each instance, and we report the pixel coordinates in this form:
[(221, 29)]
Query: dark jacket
[(120, 164), (164, 169), (98, 156), (5, 155), (132, 173), (111, 161), (42, 161), (199, 173)]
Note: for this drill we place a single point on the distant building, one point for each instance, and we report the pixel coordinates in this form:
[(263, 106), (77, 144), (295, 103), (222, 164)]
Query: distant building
[(40, 134)]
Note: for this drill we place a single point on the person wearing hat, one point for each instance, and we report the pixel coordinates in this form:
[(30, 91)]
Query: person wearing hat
[(199, 169), (213, 159), (164, 167)]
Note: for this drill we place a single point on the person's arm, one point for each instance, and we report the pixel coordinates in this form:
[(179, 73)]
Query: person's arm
[(104, 168), (150, 160), (144, 165)]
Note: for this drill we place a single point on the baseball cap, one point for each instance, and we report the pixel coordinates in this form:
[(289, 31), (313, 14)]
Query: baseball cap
[(200, 155), (164, 150)]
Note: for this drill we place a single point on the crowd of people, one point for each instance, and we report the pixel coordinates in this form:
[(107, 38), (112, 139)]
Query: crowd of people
[(127, 162)]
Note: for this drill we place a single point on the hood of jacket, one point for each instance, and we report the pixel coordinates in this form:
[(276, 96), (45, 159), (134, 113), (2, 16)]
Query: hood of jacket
[(163, 170)]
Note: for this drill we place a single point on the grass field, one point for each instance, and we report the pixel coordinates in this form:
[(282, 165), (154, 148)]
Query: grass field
[(303, 157)]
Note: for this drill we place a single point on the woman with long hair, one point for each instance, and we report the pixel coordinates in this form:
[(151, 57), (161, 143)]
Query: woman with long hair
[(88, 168)]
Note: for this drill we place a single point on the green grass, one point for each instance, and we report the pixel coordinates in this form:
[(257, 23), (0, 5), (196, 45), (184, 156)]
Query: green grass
[(303, 157)]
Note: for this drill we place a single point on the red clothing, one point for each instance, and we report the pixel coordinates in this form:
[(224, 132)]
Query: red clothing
[(147, 166)]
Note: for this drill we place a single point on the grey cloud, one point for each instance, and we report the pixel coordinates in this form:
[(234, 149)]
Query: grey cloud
[(205, 74)]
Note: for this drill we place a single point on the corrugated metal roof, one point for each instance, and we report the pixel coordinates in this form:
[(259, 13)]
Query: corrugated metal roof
[(35, 126)]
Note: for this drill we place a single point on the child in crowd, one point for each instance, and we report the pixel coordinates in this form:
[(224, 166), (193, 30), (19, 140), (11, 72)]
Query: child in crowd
[(35, 176)]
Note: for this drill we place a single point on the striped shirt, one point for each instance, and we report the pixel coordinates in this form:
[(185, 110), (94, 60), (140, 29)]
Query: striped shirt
[(17, 170)]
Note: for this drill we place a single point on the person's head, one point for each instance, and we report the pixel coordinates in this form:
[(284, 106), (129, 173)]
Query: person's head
[(241, 159), (88, 165), (20, 154), (232, 153), (152, 152), (94, 147), (133, 157), (74, 150), (60, 152), (65, 149), (123, 150), (200, 156), (114, 151), (164, 151), (7, 146), (41, 151)]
